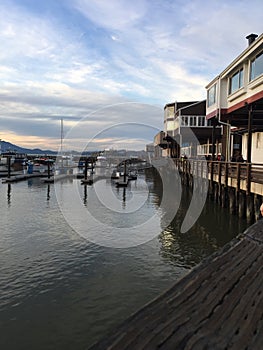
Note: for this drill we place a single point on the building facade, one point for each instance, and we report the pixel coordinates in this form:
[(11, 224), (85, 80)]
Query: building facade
[(187, 131), (235, 101)]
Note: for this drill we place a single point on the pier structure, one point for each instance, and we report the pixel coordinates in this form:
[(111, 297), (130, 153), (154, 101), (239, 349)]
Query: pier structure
[(233, 185), (218, 305)]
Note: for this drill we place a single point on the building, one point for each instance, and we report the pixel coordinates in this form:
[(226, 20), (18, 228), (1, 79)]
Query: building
[(235, 101), (150, 151), (160, 145), (187, 131)]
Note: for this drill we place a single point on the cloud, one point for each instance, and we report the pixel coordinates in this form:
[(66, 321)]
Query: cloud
[(113, 15), (77, 58)]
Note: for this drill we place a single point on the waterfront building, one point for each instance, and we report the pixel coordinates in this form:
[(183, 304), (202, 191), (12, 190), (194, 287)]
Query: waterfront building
[(150, 151), (160, 145), (176, 139), (235, 101)]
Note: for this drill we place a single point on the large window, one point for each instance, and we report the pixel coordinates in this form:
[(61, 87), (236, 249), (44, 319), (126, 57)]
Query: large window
[(211, 96), (256, 67), (236, 81)]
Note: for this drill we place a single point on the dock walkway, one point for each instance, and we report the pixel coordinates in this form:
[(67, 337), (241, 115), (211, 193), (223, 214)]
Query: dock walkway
[(218, 305), (21, 177)]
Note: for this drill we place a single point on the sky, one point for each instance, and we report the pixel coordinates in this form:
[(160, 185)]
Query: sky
[(107, 68)]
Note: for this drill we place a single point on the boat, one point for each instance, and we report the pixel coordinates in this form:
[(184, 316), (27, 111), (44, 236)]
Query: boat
[(43, 164), (101, 162), (115, 175), (132, 175), (122, 183)]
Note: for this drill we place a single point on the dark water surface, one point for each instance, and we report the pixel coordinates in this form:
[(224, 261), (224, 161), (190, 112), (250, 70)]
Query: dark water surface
[(59, 291)]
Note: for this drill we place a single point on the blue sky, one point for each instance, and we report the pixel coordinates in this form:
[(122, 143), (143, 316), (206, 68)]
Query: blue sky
[(99, 63)]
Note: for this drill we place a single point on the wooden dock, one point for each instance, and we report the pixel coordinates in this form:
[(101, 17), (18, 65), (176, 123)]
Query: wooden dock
[(218, 305), (21, 177), (122, 183)]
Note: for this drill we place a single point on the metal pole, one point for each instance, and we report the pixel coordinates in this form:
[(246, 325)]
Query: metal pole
[(249, 136), (86, 169), (48, 169), (9, 166), (124, 178)]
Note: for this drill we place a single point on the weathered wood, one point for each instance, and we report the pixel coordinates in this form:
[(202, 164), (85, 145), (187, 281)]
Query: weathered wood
[(218, 305)]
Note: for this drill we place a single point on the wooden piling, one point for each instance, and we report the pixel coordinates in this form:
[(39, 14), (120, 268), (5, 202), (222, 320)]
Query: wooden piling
[(232, 200), (242, 205), (250, 207)]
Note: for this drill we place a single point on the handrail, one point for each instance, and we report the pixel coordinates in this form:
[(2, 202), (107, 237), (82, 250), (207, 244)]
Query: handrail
[(249, 172)]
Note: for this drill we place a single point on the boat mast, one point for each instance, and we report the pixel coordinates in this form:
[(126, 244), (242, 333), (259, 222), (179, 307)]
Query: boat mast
[(61, 141), (61, 134)]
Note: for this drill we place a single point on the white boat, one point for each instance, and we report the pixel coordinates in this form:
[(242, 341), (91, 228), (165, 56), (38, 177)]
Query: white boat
[(101, 162), (42, 164)]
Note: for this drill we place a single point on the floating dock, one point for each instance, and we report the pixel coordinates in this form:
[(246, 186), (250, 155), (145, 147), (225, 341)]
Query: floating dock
[(21, 177), (88, 181), (218, 305), (122, 183)]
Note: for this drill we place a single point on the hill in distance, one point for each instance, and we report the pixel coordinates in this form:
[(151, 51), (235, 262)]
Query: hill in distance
[(8, 146)]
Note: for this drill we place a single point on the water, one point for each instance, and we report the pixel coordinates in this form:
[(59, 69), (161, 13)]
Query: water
[(59, 291)]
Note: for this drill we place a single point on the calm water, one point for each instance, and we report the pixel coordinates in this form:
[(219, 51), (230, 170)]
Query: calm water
[(59, 291)]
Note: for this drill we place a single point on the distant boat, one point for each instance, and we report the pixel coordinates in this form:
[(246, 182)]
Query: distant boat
[(41, 164), (122, 183), (132, 175), (115, 175), (101, 162)]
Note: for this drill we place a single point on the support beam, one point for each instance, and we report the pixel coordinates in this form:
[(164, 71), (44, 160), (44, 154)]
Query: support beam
[(249, 136)]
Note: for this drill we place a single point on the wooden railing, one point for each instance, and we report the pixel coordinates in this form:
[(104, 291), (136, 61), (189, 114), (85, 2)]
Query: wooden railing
[(221, 171)]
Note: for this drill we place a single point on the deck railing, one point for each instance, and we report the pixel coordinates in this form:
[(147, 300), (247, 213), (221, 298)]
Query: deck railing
[(220, 171)]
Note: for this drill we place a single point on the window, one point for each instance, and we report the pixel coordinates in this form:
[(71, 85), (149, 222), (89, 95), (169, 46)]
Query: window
[(211, 98), (236, 81), (256, 67)]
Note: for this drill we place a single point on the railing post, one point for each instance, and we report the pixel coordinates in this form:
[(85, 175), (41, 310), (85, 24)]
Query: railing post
[(225, 189), (248, 178)]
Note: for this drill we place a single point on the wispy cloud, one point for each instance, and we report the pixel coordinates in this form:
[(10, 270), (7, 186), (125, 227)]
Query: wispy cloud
[(74, 58)]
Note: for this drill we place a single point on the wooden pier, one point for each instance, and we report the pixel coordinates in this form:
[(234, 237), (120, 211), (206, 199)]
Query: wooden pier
[(238, 186), (218, 305)]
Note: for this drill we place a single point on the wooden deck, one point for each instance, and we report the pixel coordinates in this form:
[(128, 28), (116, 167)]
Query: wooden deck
[(218, 305)]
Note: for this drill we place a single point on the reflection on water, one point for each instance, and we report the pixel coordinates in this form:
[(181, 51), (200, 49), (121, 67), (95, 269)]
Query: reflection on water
[(48, 192), (85, 196), (58, 291), (9, 194)]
